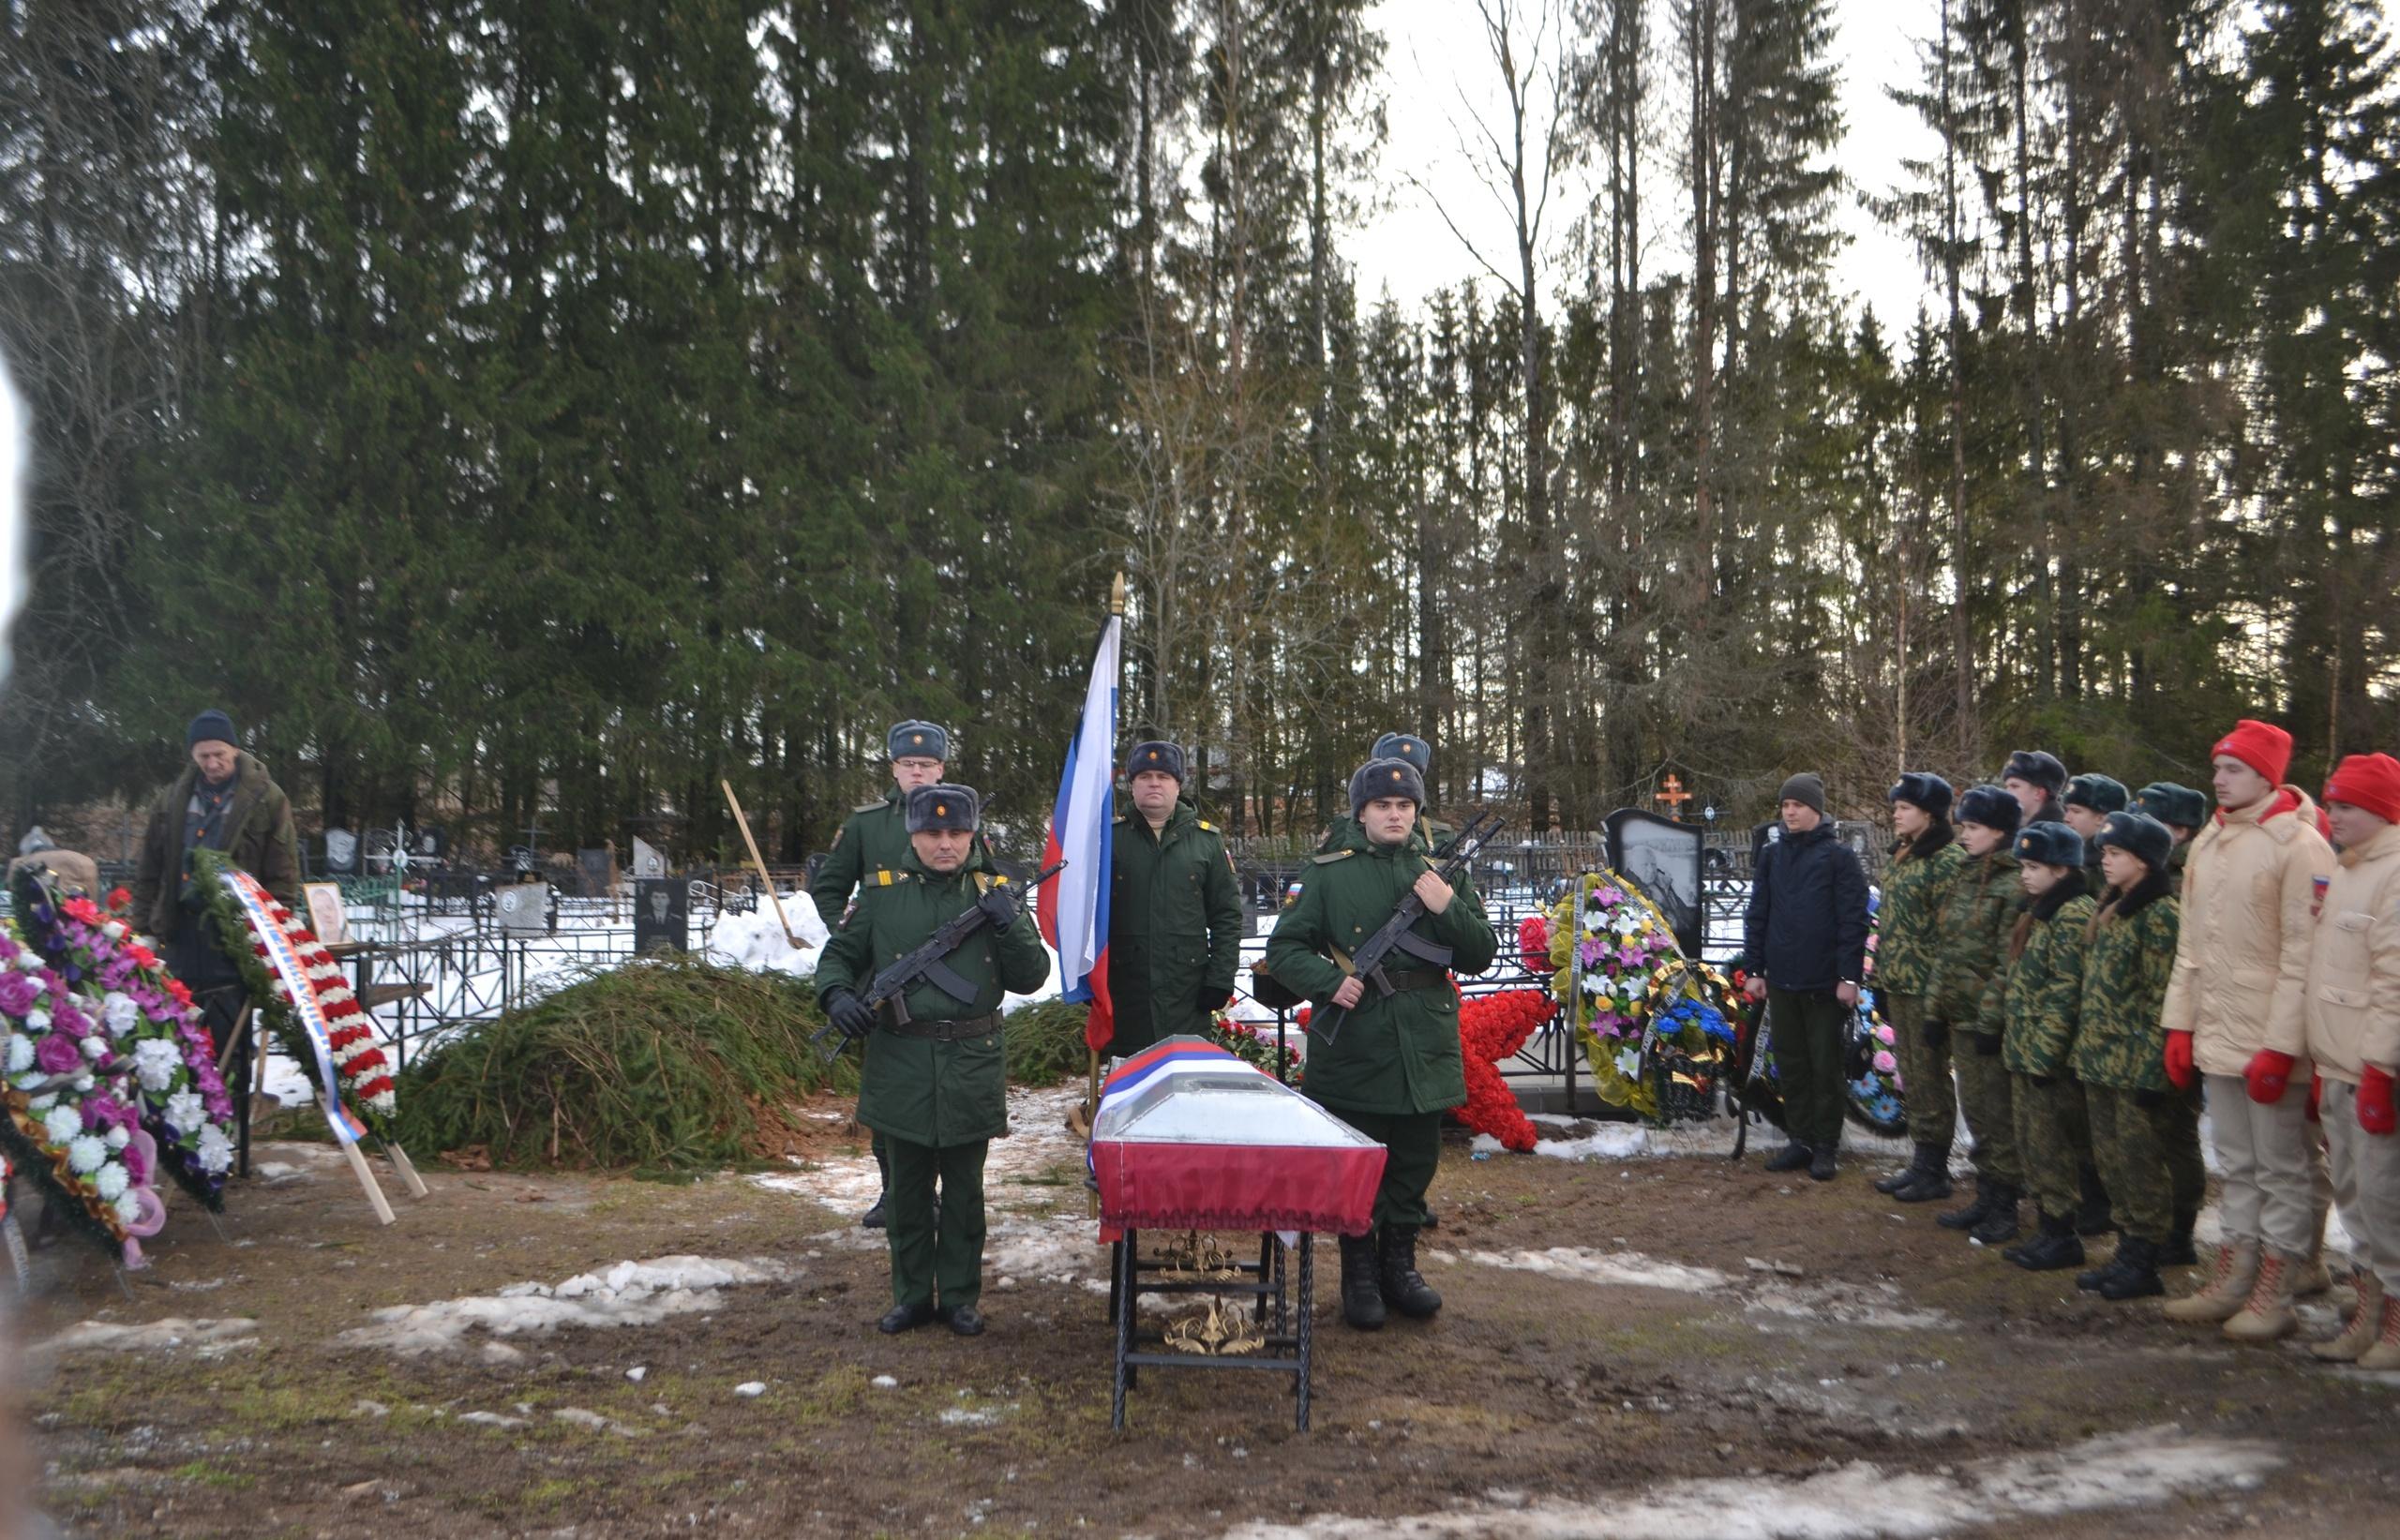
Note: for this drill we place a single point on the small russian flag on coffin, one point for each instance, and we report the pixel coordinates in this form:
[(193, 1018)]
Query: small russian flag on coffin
[(1189, 1137)]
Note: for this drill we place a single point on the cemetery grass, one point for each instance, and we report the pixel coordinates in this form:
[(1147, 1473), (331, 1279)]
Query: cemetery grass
[(1780, 1330)]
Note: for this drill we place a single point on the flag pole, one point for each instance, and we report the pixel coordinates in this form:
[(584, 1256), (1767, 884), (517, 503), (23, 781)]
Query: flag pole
[(1091, 1054)]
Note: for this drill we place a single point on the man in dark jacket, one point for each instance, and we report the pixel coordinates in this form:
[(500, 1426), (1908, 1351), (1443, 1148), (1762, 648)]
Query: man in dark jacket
[(1806, 936), (1175, 922)]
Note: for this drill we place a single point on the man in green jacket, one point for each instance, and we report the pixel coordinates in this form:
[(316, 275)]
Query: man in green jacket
[(1393, 1068), (873, 842), (1175, 922), (935, 1080)]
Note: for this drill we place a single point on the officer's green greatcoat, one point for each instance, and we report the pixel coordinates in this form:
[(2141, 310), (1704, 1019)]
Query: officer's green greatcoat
[(1174, 924), (1913, 885), (1969, 948), (1394, 1066), (936, 1103), (2120, 1046), (874, 838), (2034, 1010)]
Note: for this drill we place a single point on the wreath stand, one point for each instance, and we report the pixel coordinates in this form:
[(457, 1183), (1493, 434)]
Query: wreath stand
[(245, 1027)]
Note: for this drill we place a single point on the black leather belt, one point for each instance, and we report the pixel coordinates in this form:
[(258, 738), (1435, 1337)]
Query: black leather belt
[(951, 1031), (1416, 978)]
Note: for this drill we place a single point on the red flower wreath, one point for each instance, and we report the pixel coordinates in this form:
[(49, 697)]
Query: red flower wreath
[(1492, 1027)]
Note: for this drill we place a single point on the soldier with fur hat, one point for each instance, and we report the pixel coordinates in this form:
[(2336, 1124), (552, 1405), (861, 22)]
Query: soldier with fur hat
[(875, 840), (2185, 811), (2034, 1010), (1431, 834), (2236, 1020), (2089, 801), (934, 1080), (1968, 940), (2118, 1053), (1395, 1066), (1925, 857), (1175, 920), (2035, 778)]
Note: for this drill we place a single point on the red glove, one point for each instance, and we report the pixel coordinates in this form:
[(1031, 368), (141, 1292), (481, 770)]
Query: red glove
[(2375, 1101), (2179, 1060), (2316, 1095), (2270, 1076)]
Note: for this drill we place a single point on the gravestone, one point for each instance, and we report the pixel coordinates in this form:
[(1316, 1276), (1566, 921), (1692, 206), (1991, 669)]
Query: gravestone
[(662, 916), (341, 853), (596, 869), (522, 908), (647, 861), (1661, 858)]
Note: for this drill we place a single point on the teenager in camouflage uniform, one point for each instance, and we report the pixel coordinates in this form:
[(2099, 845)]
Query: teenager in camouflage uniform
[(1970, 943), (2089, 801), (2119, 1048), (2185, 812), (2033, 1011), (1924, 860)]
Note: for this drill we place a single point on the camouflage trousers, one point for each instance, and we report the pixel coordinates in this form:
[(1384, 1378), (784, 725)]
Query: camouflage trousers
[(2129, 1141), (2187, 1171), (1985, 1102), (1925, 1074), (2053, 1141)]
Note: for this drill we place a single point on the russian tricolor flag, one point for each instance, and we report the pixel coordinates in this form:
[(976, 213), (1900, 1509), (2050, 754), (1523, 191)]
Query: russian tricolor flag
[(1074, 910)]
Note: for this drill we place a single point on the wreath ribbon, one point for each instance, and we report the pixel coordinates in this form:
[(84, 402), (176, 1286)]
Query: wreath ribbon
[(306, 1007)]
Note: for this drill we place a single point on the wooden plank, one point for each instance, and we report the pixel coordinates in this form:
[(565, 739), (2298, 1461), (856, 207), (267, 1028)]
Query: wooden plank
[(366, 1179)]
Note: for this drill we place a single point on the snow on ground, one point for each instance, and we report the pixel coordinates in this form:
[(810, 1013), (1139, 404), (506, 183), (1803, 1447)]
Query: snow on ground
[(174, 1331), (1860, 1501), (756, 941), (1848, 1304), (630, 1293)]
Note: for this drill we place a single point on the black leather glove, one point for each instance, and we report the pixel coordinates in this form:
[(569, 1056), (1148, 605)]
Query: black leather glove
[(1215, 999), (1935, 1033), (1000, 903), (1988, 1044), (849, 1014)]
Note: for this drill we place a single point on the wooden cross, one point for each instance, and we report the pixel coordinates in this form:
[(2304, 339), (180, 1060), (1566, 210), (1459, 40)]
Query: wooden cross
[(1673, 795)]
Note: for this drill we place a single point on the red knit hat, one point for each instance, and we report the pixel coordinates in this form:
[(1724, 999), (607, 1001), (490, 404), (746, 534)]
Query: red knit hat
[(2263, 746), (2371, 781)]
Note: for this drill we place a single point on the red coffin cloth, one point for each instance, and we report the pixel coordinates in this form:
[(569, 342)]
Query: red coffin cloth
[(1148, 1186)]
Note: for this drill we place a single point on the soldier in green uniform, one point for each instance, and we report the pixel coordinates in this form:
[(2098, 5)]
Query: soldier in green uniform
[(2034, 1010), (1175, 922), (935, 1080), (1968, 943), (1925, 857), (875, 839), (2120, 1049), (2185, 812), (1394, 1067)]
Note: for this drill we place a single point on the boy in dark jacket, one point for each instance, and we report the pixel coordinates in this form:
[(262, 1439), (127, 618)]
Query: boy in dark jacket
[(1806, 936)]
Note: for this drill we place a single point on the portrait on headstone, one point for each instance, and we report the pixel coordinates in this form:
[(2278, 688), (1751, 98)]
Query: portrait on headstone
[(1661, 858), (660, 915), (326, 916)]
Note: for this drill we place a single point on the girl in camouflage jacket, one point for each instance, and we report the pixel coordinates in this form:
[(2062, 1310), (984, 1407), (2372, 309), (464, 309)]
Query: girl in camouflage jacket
[(2120, 1047), (2034, 1010)]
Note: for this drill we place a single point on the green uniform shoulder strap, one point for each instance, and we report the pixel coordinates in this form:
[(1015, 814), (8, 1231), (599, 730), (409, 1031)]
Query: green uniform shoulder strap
[(885, 878), (1333, 855), (870, 807)]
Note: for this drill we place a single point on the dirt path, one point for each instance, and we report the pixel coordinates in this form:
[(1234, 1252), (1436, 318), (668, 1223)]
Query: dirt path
[(1632, 1347)]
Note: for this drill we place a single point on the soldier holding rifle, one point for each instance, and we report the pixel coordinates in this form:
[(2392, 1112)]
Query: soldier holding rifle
[(1393, 1067), (934, 1084)]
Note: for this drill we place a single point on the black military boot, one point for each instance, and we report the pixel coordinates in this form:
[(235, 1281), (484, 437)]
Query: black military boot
[(1791, 1156), (2094, 1218), (2092, 1279), (1403, 1288), (2137, 1271), (1986, 1199), (1903, 1178), (2000, 1225), (1927, 1173), (1823, 1166), (2177, 1252), (1362, 1298), (2056, 1246)]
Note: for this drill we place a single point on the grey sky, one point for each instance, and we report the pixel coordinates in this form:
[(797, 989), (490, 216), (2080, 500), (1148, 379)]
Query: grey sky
[(1435, 51)]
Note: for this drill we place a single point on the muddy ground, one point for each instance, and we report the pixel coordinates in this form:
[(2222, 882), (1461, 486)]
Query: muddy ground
[(1670, 1346)]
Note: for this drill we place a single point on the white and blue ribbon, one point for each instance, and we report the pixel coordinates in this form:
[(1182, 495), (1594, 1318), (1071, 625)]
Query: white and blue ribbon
[(306, 1007)]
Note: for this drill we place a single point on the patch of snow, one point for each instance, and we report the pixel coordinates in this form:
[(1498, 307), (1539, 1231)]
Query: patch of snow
[(592, 1420), (631, 1293), (1583, 1264), (751, 1388), (171, 1332), (1857, 1501), (979, 1416), (755, 940), (1848, 1304), (884, 1381), (492, 1420)]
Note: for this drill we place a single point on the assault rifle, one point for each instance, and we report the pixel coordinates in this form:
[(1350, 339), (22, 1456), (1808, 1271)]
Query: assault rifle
[(1394, 934), (927, 961)]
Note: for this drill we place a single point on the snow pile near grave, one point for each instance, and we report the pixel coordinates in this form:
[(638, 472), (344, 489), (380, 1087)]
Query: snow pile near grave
[(630, 1293)]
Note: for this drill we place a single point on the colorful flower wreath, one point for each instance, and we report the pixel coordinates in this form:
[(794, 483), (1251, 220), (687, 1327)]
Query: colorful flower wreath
[(1655, 1024), (364, 1068), (67, 1119), (169, 1056), (1246, 1043)]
